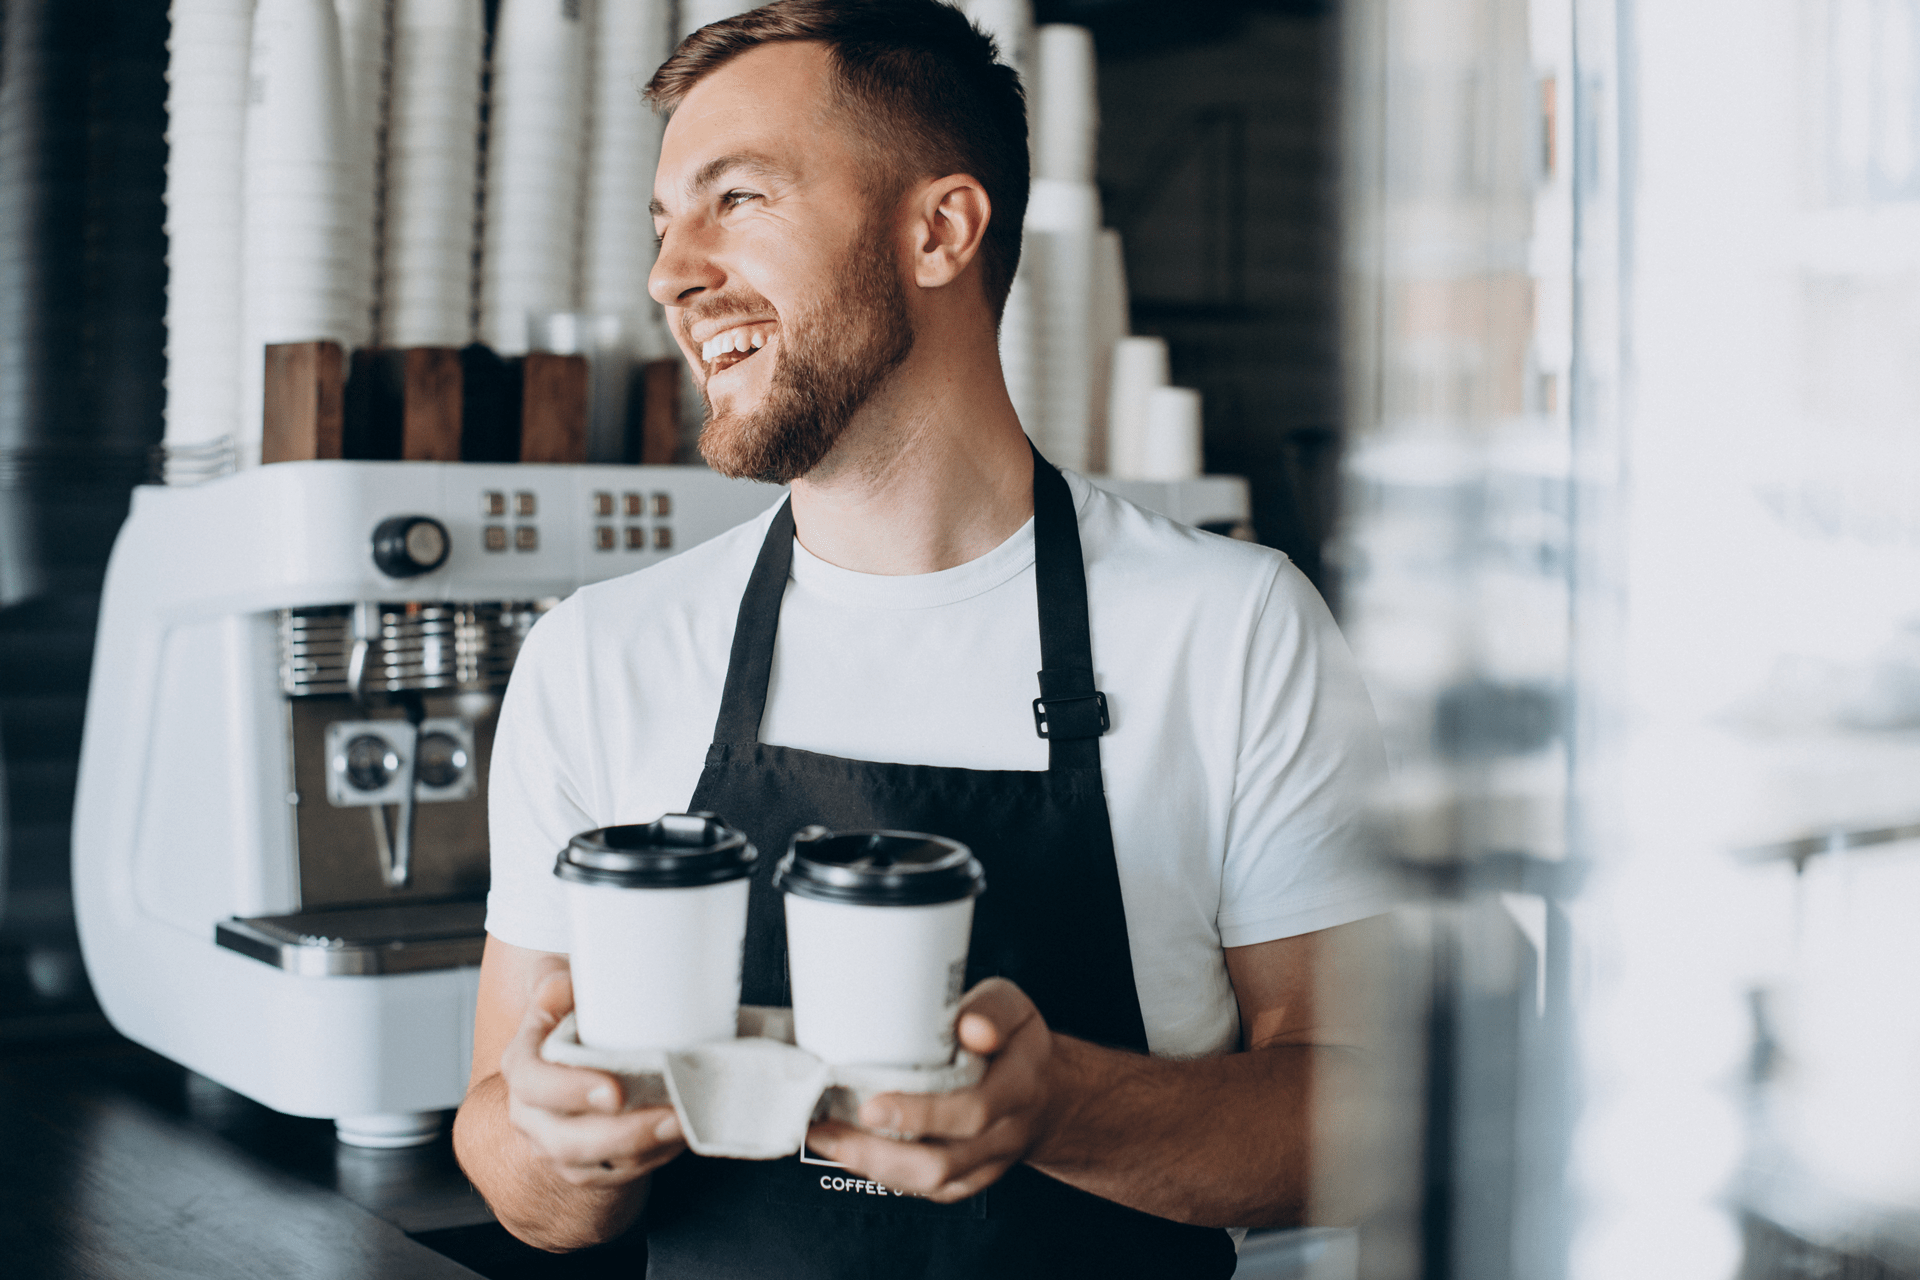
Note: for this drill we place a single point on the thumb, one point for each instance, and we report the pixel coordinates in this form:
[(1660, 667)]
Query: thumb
[(991, 1014), (979, 1035), (553, 996)]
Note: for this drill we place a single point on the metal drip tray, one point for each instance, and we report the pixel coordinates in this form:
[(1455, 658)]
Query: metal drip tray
[(404, 937)]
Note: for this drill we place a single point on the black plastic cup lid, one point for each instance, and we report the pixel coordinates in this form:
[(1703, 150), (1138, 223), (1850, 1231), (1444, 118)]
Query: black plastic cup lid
[(878, 868), (680, 851)]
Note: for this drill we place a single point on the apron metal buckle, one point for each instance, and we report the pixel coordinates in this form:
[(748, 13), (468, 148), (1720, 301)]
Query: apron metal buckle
[(1067, 719)]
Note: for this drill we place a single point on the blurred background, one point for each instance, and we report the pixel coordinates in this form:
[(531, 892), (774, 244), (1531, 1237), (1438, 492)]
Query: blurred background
[(1572, 347)]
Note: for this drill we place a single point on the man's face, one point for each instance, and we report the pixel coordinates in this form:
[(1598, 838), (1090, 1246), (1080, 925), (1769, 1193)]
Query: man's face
[(777, 268)]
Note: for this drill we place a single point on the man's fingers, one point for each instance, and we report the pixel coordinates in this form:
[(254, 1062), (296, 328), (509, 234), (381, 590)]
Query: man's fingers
[(939, 1170), (639, 1140), (1009, 1088), (991, 1014), (533, 1080), (962, 1114), (972, 1184), (571, 1091)]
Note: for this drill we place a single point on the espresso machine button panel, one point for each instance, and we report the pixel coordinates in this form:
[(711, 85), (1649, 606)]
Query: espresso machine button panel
[(370, 762)]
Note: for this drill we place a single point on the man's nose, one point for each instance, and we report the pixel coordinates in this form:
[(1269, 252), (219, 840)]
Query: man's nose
[(686, 265)]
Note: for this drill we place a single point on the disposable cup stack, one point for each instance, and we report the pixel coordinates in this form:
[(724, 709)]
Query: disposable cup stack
[(1062, 235), (206, 111), (535, 150), (1109, 325), (1172, 445), (298, 277), (1062, 260), (1139, 369), (630, 39), (433, 155), (1066, 116), (363, 65), (695, 14)]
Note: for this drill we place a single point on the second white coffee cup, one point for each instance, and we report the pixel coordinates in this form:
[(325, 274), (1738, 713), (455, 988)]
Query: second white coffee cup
[(659, 918), (877, 930)]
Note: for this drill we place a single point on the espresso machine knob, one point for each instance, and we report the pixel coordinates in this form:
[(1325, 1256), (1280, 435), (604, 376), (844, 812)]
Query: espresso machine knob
[(369, 762), (407, 546), (439, 759)]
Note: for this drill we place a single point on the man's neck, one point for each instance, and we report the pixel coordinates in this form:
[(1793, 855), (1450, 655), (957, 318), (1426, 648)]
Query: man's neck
[(933, 472)]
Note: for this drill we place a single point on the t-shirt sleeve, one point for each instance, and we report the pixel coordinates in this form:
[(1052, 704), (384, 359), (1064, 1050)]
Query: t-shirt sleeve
[(536, 797), (1309, 764)]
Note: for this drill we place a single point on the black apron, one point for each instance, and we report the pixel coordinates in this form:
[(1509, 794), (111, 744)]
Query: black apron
[(1051, 920)]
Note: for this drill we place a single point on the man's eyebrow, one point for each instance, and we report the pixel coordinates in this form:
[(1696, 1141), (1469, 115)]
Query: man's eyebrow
[(713, 170)]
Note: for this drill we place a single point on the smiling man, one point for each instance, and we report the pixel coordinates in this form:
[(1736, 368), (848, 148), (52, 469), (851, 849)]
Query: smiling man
[(1175, 1041)]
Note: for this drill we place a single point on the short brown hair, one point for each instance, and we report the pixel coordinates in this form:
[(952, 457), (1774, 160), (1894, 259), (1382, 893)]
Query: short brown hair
[(921, 84)]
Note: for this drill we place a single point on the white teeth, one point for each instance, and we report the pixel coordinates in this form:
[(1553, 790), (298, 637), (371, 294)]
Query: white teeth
[(732, 340)]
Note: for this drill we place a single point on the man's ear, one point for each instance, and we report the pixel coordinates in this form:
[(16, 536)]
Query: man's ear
[(948, 217)]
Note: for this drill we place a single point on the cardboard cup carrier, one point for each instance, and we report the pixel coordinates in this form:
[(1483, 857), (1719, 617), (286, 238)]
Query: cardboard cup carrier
[(877, 927), (659, 918)]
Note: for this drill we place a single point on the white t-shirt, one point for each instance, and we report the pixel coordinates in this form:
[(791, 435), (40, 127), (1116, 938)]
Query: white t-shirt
[(1242, 750)]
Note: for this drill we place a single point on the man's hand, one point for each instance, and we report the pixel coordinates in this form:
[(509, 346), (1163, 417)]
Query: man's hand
[(571, 1116), (948, 1146)]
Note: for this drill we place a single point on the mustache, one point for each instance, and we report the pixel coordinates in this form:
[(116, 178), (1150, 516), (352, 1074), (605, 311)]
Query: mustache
[(721, 308)]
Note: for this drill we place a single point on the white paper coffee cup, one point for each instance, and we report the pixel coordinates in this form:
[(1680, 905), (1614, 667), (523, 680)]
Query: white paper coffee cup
[(877, 930), (659, 916)]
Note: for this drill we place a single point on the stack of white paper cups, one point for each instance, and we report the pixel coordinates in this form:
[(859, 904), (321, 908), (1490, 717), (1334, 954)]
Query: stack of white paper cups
[(1108, 325), (1066, 115), (1139, 369), (1171, 450), (878, 924), (206, 114), (535, 149), (433, 140), (1063, 235), (1060, 279), (363, 65), (630, 39), (298, 268), (659, 918)]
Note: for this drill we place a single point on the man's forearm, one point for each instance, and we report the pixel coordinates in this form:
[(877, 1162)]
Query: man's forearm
[(524, 1192), (1225, 1141)]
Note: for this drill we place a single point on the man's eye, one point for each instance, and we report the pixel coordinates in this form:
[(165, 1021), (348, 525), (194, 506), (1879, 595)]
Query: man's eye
[(734, 199)]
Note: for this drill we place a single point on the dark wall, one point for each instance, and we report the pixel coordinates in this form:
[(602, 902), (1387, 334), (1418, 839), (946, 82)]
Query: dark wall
[(82, 303), (1218, 164)]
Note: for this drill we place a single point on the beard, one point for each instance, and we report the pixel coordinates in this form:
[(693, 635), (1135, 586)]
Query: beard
[(829, 360)]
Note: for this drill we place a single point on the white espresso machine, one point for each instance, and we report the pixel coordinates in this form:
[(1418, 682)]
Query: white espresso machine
[(279, 842)]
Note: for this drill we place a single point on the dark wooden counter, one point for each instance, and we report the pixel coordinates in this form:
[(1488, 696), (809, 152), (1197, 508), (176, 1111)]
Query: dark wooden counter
[(116, 1163)]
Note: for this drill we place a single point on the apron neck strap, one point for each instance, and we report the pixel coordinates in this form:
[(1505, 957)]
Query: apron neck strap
[(1070, 713), (743, 704)]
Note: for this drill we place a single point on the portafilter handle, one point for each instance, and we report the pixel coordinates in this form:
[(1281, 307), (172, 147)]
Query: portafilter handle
[(400, 867)]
